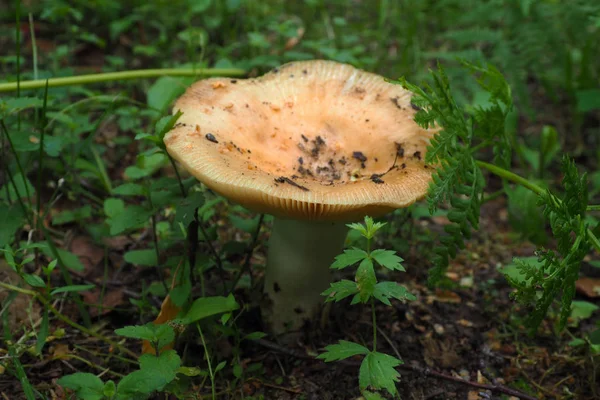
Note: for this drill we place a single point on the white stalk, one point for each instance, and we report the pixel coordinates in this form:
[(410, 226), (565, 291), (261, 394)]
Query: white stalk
[(300, 254)]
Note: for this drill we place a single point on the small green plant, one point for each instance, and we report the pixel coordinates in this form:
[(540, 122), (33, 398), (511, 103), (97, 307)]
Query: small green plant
[(377, 370)]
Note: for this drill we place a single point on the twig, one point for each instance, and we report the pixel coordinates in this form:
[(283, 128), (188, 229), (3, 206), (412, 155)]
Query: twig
[(407, 367)]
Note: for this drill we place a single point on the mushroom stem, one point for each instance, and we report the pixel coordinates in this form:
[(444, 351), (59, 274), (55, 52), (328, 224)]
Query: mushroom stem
[(300, 254)]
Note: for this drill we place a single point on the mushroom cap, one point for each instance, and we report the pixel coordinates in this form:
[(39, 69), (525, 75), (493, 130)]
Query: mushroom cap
[(315, 140)]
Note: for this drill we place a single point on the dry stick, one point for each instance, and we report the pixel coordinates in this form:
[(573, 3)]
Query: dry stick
[(423, 371)]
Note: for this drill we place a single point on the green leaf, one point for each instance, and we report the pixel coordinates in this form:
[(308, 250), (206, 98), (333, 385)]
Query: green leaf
[(220, 366), (34, 280), (371, 396), (23, 186), (581, 310), (377, 371), (162, 93), (72, 288), (67, 216), (131, 217), (11, 219), (113, 207), (165, 124), (388, 259), (350, 257), (207, 306), (13, 105), (146, 165), (130, 189), (159, 335), (255, 336), (365, 279), (186, 208), (42, 334), (340, 290), (154, 374), (110, 389), (68, 259), (588, 100), (145, 257), (387, 290), (342, 350), (86, 386)]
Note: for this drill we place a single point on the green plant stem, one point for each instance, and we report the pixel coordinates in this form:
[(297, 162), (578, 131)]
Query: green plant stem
[(210, 370), (374, 324), (501, 172), (66, 319), (593, 207), (181, 187), (118, 76)]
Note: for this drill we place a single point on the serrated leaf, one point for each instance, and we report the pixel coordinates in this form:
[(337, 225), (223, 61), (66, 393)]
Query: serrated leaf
[(208, 306), (154, 374), (388, 259), (377, 371), (371, 396), (391, 290), (159, 334), (348, 258), (342, 350), (365, 279), (85, 385), (340, 290)]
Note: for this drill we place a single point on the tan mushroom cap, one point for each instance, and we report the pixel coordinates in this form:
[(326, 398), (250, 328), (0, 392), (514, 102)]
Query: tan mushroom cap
[(314, 140)]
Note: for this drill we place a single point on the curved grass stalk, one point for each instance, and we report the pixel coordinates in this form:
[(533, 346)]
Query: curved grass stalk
[(118, 76)]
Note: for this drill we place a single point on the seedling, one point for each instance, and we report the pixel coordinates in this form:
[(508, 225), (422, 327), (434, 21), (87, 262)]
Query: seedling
[(377, 369)]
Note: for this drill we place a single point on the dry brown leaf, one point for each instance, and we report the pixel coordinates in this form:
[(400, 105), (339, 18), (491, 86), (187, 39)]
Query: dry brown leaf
[(22, 306), (110, 300), (588, 286), (168, 312), (89, 254), (444, 296), (60, 350)]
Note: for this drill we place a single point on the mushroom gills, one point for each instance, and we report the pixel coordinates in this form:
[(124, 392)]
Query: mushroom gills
[(298, 260)]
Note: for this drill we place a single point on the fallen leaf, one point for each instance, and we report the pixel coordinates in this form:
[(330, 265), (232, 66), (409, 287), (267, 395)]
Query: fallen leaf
[(110, 300), (89, 254), (444, 296), (168, 312), (588, 286), (60, 350)]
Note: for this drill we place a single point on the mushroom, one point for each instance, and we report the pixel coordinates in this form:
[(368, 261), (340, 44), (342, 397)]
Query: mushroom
[(316, 144)]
